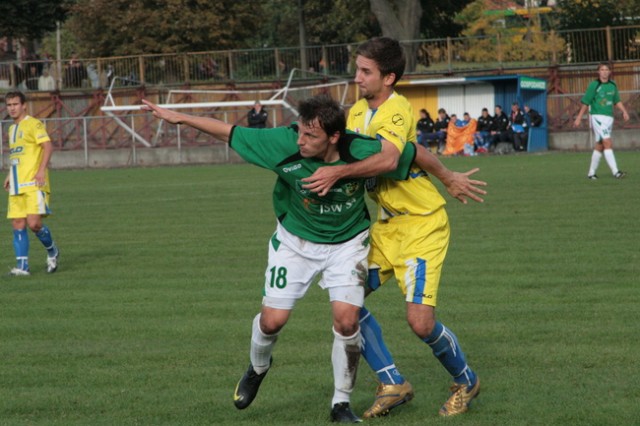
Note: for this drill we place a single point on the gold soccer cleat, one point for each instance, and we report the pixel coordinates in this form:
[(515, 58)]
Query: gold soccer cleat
[(389, 397), (460, 399)]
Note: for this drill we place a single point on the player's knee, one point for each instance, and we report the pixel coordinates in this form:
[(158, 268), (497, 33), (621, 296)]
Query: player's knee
[(346, 329), (346, 326), (34, 226), (422, 327), (271, 325)]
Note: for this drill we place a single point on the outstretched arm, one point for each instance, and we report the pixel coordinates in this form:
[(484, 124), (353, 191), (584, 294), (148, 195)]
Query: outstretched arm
[(383, 162), (216, 128), (459, 185)]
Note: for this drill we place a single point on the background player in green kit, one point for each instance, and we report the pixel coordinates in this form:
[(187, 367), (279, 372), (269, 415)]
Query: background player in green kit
[(600, 98), (315, 235)]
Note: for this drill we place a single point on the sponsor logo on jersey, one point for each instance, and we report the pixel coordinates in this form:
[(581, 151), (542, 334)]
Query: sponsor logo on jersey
[(337, 208), (16, 150), (292, 168), (397, 119), (300, 189), (350, 188)]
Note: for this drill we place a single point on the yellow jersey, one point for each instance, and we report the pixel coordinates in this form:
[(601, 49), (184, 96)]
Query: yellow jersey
[(25, 147), (394, 121)]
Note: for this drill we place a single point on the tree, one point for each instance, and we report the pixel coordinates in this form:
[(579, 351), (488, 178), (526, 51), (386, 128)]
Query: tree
[(438, 18), (486, 40), (400, 19), (122, 27), (30, 20), (585, 14), (588, 14)]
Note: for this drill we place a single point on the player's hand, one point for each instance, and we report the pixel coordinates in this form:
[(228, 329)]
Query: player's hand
[(625, 116), (6, 183), (323, 179), (461, 187), (576, 123), (39, 179), (161, 113)]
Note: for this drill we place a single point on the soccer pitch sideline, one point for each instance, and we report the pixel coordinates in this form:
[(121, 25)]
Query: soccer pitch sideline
[(148, 319)]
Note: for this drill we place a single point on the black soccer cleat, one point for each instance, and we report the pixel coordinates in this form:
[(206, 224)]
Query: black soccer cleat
[(592, 177), (341, 413), (247, 387), (620, 174)]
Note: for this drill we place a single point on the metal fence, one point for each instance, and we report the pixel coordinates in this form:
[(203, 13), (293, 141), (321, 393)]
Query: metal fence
[(447, 55)]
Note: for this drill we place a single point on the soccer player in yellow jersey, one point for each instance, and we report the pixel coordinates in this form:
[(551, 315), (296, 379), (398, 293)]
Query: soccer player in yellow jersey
[(411, 236), (28, 183)]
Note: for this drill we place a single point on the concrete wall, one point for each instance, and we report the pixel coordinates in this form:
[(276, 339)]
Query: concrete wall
[(106, 158), (222, 154), (581, 140)]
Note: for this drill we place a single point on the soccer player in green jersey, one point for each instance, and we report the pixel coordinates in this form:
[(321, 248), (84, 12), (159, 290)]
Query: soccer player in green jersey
[(315, 235), (600, 98), (28, 183)]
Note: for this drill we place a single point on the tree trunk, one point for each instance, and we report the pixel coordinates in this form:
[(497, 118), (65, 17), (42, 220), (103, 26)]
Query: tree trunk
[(400, 19)]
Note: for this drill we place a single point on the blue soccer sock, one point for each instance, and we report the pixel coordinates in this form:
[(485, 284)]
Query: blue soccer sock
[(44, 235), (375, 351), (21, 248), (446, 348)]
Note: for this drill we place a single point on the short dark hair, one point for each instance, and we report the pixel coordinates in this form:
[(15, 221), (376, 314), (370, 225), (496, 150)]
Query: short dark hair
[(442, 111), (330, 115), (484, 109), (387, 53), (15, 94), (499, 106)]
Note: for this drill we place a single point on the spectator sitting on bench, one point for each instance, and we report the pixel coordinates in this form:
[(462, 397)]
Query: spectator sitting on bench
[(482, 136), (499, 127)]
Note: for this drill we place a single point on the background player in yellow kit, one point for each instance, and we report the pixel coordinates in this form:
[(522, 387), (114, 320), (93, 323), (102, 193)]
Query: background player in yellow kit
[(411, 236), (28, 183)]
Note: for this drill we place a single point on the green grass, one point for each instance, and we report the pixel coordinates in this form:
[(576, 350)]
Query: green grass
[(148, 319)]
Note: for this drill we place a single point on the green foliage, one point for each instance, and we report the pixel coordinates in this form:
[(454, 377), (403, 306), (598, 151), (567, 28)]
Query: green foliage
[(68, 43), (584, 14), (438, 18), (340, 21), (148, 319), (31, 19), (487, 38), (121, 27)]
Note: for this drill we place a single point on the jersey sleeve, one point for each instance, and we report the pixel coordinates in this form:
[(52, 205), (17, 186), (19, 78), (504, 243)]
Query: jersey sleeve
[(361, 147), (404, 163), (393, 128), (264, 147), (397, 124), (40, 133)]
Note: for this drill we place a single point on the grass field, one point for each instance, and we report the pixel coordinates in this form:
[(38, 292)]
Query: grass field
[(148, 319)]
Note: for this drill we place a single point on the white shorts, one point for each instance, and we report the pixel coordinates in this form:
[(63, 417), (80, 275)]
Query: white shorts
[(602, 126), (294, 263)]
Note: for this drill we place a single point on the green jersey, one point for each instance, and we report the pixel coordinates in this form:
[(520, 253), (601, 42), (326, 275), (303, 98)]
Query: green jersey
[(338, 216), (601, 97)]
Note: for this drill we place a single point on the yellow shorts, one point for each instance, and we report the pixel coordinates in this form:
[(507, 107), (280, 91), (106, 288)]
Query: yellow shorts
[(411, 248), (28, 203)]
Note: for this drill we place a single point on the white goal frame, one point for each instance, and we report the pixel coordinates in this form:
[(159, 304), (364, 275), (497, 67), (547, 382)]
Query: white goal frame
[(278, 98)]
